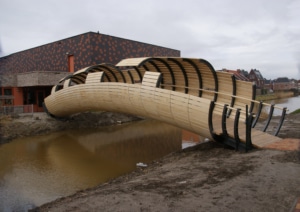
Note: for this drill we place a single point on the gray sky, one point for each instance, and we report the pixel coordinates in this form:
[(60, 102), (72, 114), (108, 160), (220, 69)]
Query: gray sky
[(231, 34)]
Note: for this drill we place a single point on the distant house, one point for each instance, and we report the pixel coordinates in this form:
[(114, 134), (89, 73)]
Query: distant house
[(27, 77), (244, 72), (283, 84), (239, 74), (295, 84), (256, 76), (268, 84)]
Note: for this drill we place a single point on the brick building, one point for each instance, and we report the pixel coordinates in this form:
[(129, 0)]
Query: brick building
[(256, 76), (284, 84), (27, 77), (239, 74)]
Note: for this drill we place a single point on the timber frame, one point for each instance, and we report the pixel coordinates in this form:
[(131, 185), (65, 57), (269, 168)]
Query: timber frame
[(185, 92)]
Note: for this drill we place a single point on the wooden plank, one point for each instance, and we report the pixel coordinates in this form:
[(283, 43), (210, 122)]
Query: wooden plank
[(131, 61), (53, 89), (264, 139), (94, 77), (127, 77)]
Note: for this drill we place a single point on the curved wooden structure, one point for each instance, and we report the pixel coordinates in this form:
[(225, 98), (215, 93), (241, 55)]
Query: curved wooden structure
[(184, 92)]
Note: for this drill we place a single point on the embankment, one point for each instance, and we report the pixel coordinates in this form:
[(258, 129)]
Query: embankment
[(40, 123), (272, 96)]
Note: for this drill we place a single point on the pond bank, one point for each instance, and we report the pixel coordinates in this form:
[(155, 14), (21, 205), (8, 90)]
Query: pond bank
[(206, 177), (272, 96), (40, 123)]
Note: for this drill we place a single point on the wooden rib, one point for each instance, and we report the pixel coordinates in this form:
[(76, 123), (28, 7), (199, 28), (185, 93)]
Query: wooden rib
[(94, 77), (132, 61), (187, 111)]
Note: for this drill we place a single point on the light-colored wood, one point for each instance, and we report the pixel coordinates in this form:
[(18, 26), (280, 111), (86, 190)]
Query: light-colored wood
[(175, 101), (66, 83), (95, 77), (80, 71), (53, 90), (131, 61)]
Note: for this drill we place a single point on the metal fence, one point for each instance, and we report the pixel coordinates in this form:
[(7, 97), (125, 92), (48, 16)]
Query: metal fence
[(9, 110)]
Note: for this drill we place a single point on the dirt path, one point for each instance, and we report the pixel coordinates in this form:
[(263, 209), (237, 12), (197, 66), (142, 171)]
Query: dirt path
[(204, 178)]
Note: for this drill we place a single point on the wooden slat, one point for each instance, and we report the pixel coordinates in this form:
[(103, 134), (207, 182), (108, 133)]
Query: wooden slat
[(94, 77), (131, 61), (151, 79)]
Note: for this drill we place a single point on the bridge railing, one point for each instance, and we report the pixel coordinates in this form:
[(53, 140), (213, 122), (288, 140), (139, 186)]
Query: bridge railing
[(234, 139), (256, 115)]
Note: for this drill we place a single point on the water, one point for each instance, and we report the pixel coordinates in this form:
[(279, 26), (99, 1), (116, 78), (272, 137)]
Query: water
[(40, 169), (292, 104)]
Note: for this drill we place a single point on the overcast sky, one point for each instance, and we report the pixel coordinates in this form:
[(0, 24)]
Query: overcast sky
[(231, 34)]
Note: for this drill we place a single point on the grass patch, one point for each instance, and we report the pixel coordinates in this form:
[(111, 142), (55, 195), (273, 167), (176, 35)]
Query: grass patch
[(296, 111)]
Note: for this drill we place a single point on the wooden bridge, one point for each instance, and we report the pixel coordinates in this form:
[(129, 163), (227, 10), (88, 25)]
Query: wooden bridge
[(184, 92)]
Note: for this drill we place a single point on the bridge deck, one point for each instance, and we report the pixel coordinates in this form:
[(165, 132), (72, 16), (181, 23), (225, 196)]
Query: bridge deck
[(259, 138)]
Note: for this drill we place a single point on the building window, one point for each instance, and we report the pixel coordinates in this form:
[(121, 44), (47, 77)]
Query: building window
[(8, 92), (40, 98), (31, 97)]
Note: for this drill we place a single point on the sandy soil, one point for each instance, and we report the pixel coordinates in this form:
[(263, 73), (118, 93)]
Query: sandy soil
[(207, 177), (203, 178)]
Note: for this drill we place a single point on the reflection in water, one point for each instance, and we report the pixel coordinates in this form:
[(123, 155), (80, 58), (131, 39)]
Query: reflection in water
[(292, 104), (39, 169), (191, 139)]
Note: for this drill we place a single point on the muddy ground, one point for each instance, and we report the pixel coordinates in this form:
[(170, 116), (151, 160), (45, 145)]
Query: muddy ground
[(207, 177), (203, 178), (17, 126)]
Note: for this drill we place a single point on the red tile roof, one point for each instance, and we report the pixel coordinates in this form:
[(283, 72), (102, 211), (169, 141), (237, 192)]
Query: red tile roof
[(237, 74)]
